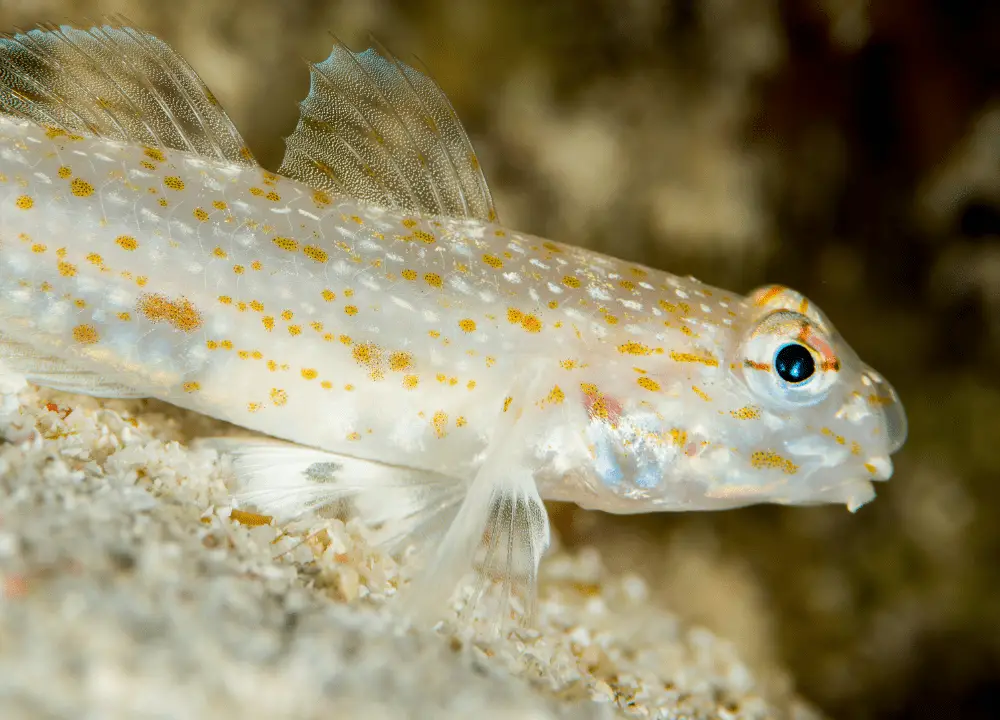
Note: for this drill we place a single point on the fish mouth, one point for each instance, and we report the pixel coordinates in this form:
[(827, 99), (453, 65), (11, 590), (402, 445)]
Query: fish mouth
[(882, 396)]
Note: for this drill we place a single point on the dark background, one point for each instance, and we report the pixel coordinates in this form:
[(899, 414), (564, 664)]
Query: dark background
[(846, 148)]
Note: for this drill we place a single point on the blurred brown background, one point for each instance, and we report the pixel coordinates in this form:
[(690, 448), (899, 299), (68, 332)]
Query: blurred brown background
[(848, 148)]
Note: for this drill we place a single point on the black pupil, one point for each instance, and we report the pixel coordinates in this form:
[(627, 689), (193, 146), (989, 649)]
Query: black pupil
[(794, 363)]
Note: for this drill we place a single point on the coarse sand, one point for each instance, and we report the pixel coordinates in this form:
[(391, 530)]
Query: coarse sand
[(131, 588)]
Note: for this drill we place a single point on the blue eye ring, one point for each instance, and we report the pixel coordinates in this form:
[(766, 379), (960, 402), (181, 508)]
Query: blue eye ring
[(794, 364)]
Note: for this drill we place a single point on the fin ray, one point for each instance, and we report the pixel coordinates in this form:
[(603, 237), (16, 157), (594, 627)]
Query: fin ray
[(117, 82), (378, 130)]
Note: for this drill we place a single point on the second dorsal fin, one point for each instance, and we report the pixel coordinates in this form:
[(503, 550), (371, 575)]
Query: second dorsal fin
[(116, 82), (374, 128)]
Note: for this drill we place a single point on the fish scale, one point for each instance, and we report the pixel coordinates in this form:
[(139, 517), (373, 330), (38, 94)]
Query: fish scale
[(439, 370)]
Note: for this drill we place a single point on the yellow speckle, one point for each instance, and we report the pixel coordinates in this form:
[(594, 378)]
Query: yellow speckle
[(273, 196), (493, 261), (163, 203), (95, 259), (424, 237), (200, 214), (256, 265), (627, 284), (191, 387), (409, 274), (354, 436), (286, 244), (81, 188), (211, 344), (220, 253), (634, 348), (700, 393), (399, 361), (127, 242), (460, 421), (571, 281), (219, 205), (66, 269), (226, 344), (350, 309), (25, 202), (321, 198), (410, 381), (65, 171), (746, 413), (38, 248), (345, 339), (173, 182), (315, 253), (326, 385), (349, 387), (506, 403), (286, 315), (85, 334), (329, 295), (80, 303), (309, 373), (257, 191), (553, 304), (225, 300), (124, 316), (294, 330), (467, 325), (409, 223), (648, 383), (705, 358), (440, 423), (433, 279), (611, 319), (763, 459), (180, 313), (278, 396), (471, 385), (254, 407), (154, 154), (238, 269), (556, 395), (268, 322)]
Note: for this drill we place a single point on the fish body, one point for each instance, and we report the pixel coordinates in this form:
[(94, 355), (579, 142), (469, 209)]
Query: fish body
[(365, 304)]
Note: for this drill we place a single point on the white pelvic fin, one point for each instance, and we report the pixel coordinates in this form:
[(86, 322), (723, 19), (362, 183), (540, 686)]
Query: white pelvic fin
[(375, 129), (116, 82), (58, 374), (499, 536), (286, 481)]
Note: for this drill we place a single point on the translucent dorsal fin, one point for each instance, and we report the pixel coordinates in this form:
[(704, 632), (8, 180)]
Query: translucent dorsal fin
[(117, 82), (374, 128)]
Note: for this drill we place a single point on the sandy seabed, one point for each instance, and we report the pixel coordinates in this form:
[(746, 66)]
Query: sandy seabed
[(132, 588)]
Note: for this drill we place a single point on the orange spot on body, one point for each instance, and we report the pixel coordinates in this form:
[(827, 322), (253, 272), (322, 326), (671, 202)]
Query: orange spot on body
[(181, 314), (81, 188), (127, 242), (85, 334)]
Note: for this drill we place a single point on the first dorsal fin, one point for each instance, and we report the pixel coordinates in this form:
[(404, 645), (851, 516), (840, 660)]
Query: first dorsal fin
[(376, 129), (116, 82)]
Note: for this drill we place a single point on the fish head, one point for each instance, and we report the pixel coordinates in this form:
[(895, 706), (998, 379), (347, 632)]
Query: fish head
[(774, 408)]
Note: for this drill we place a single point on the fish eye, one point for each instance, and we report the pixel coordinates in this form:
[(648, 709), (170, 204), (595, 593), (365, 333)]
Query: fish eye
[(794, 363), (788, 361)]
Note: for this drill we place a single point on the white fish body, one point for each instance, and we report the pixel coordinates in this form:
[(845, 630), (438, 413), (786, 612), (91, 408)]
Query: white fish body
[(440, 370)]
